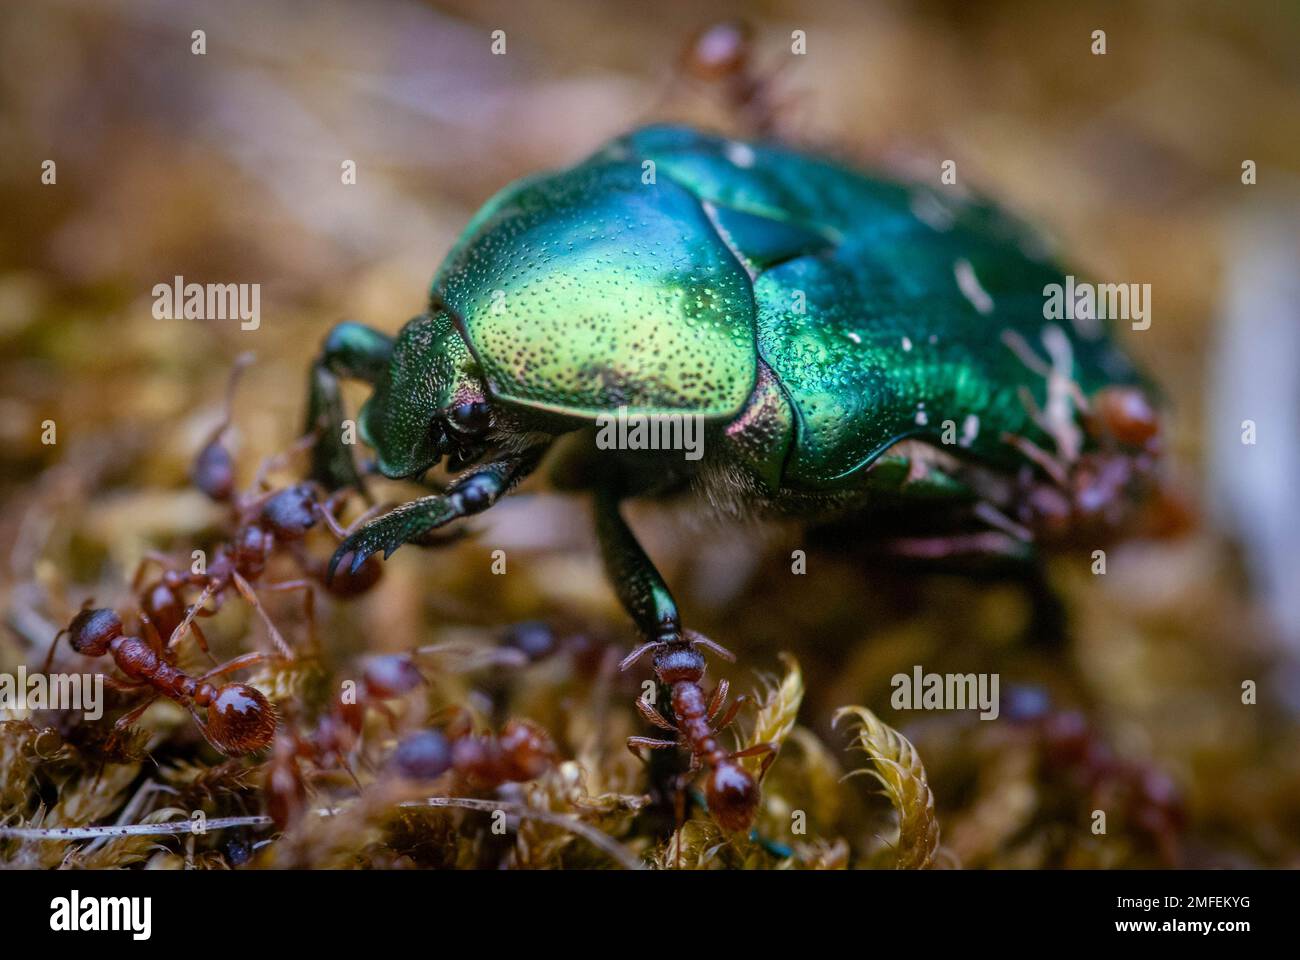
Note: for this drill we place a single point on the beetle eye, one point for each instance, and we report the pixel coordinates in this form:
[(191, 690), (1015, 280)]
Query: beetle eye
[(470, 418)]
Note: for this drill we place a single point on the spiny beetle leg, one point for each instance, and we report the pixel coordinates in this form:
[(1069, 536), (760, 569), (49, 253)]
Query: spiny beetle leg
[(413, 522)]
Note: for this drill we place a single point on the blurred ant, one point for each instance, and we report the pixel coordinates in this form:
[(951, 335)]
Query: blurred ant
[(723, 53), (732, 791), (263, 521), (330, 744), (1070, 746), (521, 751), (239, 718)]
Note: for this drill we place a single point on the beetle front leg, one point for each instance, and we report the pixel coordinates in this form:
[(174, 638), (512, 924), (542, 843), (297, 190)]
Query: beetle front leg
[(472, 492), (640, 587), (352, 351)]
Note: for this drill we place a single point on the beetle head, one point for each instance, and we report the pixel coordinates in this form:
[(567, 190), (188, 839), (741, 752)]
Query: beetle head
[(430, 403)]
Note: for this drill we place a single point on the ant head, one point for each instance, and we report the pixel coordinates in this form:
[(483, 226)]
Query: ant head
[(533, 638), (529, 749), (733, 796), (722, 50), (292, 512), (391, 675), (91, 631), (423, 755), (675, 663), (240, 720), (1125, 414)]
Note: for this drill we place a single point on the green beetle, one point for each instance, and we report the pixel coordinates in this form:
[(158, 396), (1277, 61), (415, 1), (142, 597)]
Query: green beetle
[(847, 344)]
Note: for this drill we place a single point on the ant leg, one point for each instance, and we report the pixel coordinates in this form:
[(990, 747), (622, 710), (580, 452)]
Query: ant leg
[(730, 715), (699, 639), (49, 655), (757, 750), (151, 634), (125, 721), (1049, 464), (247, 591), (331, 519), (765, 750), (201, 640), (191, 612), (277, 460), (649, 743), (244, 660), (679, 817), (652, 715), (718, 699), (308, 605), (124, 686), (987, 543), (637, 654), (150, 556), (340, 532)]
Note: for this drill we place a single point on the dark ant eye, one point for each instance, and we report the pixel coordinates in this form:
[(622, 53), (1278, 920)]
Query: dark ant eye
[(471, 418)]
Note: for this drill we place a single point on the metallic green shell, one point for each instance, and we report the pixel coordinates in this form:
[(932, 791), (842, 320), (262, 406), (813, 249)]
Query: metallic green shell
[(897, 312), (586, 290), (882, 311)]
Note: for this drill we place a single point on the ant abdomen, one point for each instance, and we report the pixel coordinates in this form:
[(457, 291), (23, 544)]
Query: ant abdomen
[(733, 796), (240, 719)]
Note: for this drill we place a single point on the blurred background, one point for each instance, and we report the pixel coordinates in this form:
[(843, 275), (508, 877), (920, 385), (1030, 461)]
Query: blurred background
[(226, 167)]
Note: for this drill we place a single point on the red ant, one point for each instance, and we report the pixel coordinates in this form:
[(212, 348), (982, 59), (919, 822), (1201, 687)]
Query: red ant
[(239, 719), (732, 791), (723, 53), (264, 520), (1071, 747), (521, 751)]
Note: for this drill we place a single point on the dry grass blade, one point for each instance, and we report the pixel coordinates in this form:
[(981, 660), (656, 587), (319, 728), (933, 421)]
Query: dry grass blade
[(898, 768), (777, 715)]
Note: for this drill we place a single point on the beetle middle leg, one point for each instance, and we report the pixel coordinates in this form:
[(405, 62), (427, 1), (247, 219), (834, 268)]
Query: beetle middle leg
[(640, 587)]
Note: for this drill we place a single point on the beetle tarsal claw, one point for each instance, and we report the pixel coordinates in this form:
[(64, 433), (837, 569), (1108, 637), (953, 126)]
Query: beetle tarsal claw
[(408, 523)]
